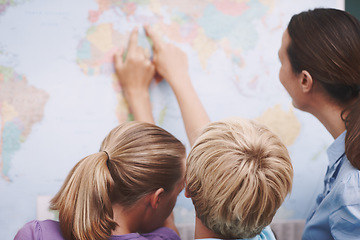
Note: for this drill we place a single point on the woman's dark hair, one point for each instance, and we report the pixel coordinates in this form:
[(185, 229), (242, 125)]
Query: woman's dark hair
[(326, 43)]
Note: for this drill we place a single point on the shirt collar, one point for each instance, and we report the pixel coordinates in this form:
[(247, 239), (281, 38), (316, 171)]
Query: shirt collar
[(336, 149)]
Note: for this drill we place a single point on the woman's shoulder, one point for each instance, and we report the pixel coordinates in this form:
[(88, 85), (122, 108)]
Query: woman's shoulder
[(347, 188), (35, 230), (344, 216), (349, 175)]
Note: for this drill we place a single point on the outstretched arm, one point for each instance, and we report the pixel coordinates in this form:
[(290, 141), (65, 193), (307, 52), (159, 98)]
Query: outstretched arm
[(171, 63), (135, 73)]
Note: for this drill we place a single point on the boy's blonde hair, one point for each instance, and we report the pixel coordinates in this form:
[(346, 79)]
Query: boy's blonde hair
[(135, 159), (238, 174)]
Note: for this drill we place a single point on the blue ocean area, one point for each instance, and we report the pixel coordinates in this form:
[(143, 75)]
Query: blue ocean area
[(218, 25)]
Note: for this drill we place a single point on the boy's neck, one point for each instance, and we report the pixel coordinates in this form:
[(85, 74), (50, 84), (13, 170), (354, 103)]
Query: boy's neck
[(201, 231)]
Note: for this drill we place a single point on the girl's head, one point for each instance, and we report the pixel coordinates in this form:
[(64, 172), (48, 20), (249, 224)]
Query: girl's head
[(135, 160), (322, 47)]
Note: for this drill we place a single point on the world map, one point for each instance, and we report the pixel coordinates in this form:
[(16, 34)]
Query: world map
[(21, 107), (59, 96)]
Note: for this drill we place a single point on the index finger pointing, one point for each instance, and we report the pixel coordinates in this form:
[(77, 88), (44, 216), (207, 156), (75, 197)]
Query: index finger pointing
[(157, 41), (133, 40)]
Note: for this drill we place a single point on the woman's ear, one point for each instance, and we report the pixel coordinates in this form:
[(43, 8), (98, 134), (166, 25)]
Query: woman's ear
[(155, 197), (306, 81)]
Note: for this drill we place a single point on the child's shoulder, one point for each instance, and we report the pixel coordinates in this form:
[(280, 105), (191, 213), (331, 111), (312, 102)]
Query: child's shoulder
[(35, 230), (162, 233), (266, 234)]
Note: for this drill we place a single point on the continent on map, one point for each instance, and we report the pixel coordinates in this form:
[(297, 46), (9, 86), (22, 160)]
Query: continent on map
[(96, 51), (128, 7), (95, 55), (283, 123), (21, 106), (204, 25)]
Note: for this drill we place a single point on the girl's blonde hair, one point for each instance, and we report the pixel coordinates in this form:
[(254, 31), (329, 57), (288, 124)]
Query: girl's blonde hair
[(135, 159), (238, 174)]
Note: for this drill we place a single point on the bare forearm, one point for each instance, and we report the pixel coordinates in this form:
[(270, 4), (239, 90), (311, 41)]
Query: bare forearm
[(172, 64), (193, 112), (140, 105)]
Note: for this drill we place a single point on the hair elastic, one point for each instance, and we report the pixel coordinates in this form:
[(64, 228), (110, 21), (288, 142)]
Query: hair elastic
[(108, 157)]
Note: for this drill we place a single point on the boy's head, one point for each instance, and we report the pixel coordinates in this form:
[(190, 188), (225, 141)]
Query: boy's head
[(238, 174)]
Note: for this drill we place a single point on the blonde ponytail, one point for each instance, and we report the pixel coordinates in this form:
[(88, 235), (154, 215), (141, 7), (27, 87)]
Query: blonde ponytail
[(136, 159), (85, 209)]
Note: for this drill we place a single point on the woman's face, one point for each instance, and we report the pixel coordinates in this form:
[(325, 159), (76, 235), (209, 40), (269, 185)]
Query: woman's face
[(288, 78)]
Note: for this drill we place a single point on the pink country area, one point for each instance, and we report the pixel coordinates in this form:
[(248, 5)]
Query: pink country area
[(129, 8), (108, 57), (231, 7), (95, 14), (2, 8), (180, 33)]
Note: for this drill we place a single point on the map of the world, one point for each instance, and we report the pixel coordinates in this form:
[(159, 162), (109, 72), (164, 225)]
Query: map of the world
[(59, 96)]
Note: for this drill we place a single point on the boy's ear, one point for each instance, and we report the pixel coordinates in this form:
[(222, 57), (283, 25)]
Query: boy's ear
[(155, 197), (306, 81)]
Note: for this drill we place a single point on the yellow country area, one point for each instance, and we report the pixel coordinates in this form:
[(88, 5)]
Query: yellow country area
[(204, 46), (155, 6), (283, 123), (171, 30), (269, 3), (8, 112), (104, 5), (89, 70), (84, 67), (101, 37)]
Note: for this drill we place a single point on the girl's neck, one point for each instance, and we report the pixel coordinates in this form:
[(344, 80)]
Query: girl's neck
[(127, 219)]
